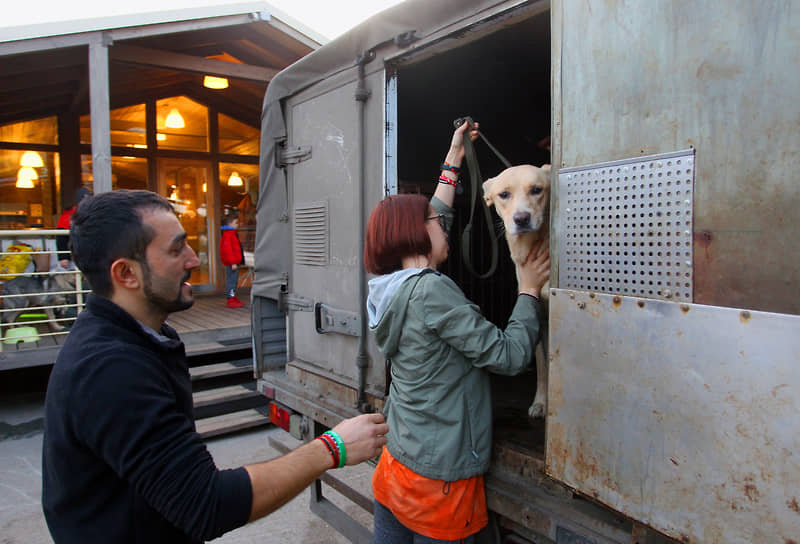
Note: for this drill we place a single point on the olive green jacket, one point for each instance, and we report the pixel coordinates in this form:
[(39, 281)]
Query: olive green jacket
[(441, 350)]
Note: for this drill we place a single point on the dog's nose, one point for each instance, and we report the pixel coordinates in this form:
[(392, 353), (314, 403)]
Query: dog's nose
[(522, 219)]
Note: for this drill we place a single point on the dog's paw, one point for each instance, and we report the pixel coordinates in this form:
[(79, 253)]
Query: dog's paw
[(536, 410)]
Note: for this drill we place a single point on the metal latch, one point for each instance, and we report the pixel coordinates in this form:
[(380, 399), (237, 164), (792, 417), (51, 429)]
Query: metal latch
[(330, 319), (289, 302), (285, 155)]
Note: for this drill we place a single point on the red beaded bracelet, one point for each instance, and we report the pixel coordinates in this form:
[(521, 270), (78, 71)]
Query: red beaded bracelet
[(332, 449), (447, 180)]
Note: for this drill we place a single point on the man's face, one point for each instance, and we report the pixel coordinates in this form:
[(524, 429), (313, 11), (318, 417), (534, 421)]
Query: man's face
[(169, 261)]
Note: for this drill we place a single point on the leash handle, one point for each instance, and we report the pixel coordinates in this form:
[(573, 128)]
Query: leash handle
[(461, 120), (475, 181)]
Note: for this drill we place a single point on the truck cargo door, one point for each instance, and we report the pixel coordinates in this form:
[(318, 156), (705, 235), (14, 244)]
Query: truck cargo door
[(324, 221)]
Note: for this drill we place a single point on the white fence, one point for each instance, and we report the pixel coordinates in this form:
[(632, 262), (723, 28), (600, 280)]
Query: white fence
[(40, 297)]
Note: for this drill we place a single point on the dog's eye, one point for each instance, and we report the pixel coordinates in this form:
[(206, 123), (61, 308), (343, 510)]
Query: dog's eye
[(536, 190), (504, 195)]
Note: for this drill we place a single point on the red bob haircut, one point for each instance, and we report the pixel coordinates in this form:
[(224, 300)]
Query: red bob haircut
[(396, 229)]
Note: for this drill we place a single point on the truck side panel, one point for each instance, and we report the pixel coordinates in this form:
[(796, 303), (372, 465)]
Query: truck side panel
[(644, 78)]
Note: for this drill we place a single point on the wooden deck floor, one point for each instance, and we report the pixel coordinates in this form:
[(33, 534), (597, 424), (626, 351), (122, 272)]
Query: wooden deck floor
[(208, 326)]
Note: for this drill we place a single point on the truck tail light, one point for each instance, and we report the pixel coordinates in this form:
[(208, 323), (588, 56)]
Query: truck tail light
[(279, 416)]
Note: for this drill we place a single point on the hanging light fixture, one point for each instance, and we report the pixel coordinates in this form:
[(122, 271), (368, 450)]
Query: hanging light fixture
[(234, 180), (213, 82), (25, 177), (174, 119), (32, 159)]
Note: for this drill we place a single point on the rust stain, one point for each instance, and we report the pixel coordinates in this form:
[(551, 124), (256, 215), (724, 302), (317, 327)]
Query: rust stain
[(617, 301), (776, 388), (640, 304), (793, 505), (744, 316), (752, 492), (685, 308)]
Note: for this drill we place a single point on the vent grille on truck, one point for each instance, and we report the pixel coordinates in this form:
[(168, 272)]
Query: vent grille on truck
[(311, 233), (625, 227)]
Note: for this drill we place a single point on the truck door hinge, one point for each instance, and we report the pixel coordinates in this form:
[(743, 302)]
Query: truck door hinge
[(285, 154), (289, 302), (334, 320)]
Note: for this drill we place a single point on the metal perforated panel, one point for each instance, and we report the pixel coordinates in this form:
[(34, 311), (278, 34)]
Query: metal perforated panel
[(625, 227), (311, 233)]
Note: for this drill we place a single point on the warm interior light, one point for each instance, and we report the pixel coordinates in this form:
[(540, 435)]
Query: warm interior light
[(234, 180), (205, 188), (32, 159), (161, 137), (26, 177), (174, 119), (213, 82)]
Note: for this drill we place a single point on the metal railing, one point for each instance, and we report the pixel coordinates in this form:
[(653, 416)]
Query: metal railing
[(36, 302)]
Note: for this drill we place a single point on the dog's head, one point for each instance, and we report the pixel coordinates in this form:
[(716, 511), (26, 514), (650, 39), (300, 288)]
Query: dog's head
[(521, 196)]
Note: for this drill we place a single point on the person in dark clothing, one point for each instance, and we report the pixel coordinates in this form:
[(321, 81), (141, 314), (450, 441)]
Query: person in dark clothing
[(121, 459), (62, 242)]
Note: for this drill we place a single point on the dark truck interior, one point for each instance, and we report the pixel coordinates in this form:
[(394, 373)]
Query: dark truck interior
[(502, 81)]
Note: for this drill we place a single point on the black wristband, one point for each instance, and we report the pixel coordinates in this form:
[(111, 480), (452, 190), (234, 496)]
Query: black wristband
[(454, 169)]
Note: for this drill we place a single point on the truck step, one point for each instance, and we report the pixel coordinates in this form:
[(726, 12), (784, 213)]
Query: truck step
[(229, 368), (233, 422), (224, 394)]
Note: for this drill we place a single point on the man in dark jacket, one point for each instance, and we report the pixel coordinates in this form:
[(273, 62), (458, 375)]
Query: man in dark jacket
[(121, 459)]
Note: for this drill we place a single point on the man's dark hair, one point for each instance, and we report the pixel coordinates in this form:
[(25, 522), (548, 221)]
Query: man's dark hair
[(108, 227), (227, 219)]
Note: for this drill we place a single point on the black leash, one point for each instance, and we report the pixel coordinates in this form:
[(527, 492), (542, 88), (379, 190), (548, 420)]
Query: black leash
[(476, 181)]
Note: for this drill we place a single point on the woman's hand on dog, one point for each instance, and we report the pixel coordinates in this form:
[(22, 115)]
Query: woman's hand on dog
[(535, 271)]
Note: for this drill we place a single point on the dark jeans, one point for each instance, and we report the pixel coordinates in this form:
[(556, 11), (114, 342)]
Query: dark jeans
[(390, 531), (231, 280)]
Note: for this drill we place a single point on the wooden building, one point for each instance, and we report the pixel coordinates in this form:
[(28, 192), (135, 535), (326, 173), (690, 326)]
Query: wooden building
[(166, 101)]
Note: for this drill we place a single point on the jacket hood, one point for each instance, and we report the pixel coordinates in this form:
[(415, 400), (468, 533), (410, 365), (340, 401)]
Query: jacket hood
[(382, 301)]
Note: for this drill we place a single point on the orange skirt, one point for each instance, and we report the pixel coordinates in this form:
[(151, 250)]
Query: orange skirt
[(433, 508)]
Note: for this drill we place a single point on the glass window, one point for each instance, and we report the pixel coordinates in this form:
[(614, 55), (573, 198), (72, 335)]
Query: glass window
[(126, 172), (238, 189), (39, 131), (186, 184), (236, 137), (128, 127), (182, 124), (28, 193), (129, 173)]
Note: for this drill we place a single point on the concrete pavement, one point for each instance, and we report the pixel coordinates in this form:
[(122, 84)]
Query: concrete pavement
[(22, 521)]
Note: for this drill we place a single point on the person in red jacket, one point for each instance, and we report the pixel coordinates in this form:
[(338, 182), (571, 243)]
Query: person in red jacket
[(232, 256)]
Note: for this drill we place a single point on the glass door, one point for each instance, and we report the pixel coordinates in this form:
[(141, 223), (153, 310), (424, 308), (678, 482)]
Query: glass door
[(187, 184)]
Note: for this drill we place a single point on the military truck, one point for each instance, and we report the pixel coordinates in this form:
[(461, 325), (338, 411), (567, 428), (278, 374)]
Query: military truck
[(674, 334)]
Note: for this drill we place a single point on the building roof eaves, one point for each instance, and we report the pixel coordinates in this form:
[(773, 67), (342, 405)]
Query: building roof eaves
[(37, 37)]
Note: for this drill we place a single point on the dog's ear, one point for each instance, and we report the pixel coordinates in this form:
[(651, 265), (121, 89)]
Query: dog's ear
[(546, 169), (487, 191)]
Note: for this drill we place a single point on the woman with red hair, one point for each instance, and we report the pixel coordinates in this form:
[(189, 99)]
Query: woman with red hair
[(428, 485)]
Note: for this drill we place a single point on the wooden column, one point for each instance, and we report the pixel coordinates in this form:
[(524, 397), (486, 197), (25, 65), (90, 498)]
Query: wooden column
[(99, 106), (69, 138)]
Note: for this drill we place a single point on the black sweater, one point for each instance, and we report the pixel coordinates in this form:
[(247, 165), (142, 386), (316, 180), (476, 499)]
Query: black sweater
[(121, 460)]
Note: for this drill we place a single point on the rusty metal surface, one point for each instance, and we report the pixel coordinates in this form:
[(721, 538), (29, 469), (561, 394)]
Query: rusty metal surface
[(682, 416), (640, 78)]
